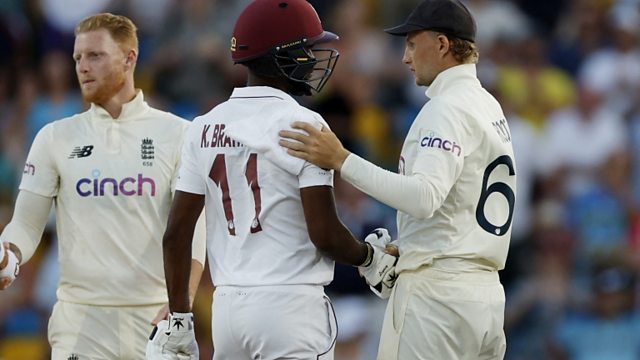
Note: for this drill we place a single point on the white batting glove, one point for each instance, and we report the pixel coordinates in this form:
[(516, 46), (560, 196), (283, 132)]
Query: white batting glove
[(174, 339), (157, 339), (9, 273), (379, 268)]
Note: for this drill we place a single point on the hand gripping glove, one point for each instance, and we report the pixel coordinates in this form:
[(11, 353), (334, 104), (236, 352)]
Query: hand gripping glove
[(157, 339), (173, 339), (379, 268), (11, 270)]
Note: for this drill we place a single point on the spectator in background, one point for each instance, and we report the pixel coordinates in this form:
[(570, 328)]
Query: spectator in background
[(191, 69), (498, 21), (614, 70), (58, 99), (545, 289), (533, 86), (59, 19), (576, 140), (582, 30), (8, 129), (609, 328), (601, 214)]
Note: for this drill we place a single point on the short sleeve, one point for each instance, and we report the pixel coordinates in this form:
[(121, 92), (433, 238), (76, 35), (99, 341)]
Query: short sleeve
[(189, 177), (312, 175), (40, 175)]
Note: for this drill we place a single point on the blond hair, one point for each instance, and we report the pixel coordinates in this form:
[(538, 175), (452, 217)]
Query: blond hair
[(463, 51), (122, 29)]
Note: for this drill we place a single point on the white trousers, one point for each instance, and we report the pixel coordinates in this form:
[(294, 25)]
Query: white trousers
[(286, 322), (433, 314), (86, 332)]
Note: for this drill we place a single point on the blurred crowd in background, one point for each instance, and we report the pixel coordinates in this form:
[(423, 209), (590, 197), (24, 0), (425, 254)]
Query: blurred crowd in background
[(567, 73)]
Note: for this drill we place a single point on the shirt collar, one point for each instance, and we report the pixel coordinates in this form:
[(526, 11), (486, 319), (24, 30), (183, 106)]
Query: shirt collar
[(445, 79), (253, 92), (131, 110)]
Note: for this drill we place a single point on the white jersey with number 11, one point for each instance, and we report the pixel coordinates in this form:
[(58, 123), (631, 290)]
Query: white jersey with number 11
[(256, 230)]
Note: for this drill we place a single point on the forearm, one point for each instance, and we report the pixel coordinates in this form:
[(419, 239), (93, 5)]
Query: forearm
[(328, 234), (409, 194), (344, 248), (177, 266), (194, 279), (27, 225)]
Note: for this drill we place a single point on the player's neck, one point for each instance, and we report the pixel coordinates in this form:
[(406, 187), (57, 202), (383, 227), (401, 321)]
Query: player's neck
[(253, 80), (114, 105)]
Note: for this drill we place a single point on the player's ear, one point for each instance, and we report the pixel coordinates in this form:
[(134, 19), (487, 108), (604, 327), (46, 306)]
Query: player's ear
[(443, 43), (131, 59)]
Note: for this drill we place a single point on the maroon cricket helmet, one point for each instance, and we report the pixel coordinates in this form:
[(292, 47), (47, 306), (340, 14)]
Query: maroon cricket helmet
[(265, 25), (285, 31)]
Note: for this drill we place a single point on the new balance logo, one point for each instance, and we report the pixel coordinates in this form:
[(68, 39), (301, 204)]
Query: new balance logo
[(80, 152), (73, 357)]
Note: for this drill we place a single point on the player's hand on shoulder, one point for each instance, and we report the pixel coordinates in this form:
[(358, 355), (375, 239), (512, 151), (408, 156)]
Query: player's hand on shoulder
[(9, 267), (379, 268), (173, 339)]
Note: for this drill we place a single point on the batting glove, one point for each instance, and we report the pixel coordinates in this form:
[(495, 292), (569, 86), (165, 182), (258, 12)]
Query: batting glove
[(157, 339), (173, 339), (10, 271), (379, 270)]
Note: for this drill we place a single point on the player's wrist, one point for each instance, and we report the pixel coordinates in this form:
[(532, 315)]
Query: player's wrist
[(369, 258), (181, 321), (342, 156)]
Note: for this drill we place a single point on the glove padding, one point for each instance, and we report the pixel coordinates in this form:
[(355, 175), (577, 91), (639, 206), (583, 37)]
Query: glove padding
[(10, 271), (380, 273), (173, 339)]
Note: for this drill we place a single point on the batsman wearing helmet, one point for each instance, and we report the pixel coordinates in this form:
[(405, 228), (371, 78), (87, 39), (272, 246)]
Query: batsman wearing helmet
[(272, 229)]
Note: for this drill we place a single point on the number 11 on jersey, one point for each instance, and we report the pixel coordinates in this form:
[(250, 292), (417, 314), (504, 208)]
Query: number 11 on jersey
[(218, 174)]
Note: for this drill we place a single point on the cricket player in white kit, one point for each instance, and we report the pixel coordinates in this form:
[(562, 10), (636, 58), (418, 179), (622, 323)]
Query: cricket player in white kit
[(454, 194), (110, 172), (272, 229)]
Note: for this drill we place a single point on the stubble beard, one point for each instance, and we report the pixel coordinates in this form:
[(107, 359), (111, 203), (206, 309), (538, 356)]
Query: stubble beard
[(111, 86)]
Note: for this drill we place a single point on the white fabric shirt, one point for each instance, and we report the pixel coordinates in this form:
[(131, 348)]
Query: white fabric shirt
[(112, 181), (456, 188), (256, 230)]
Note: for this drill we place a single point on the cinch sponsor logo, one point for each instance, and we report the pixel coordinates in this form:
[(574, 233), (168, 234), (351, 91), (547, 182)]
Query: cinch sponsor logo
[(434, 141), (129, 186)]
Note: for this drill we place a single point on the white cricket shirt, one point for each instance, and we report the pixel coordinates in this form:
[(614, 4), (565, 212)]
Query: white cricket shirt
[(456, 189), (256, 230), (112, 182)]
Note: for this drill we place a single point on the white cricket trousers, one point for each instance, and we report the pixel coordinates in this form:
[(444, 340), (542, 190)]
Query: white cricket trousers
[(86, 332), (437, 315), (284, 322)]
